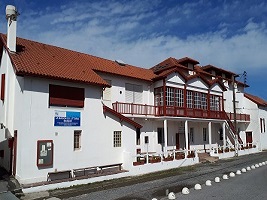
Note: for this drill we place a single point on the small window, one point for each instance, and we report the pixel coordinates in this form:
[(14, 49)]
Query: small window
[(138, 133), (77, 140), (146, 140), (117, 139)]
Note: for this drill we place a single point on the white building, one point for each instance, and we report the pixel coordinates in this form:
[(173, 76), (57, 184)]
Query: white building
[(65, 113)]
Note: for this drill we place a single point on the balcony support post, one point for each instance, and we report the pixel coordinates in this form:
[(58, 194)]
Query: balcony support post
[(223, 128), (209, 129), (186, 137)]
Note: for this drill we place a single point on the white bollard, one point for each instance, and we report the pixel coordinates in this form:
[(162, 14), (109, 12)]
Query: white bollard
[(257, 166), (225, 176), (171, 195), (154, 199), (253, 167), (238, 172), (208, 183), (217, 180), (185, 190), (243, 170), (198, 187), (260, 164), (263, 163), (248, 168), (232, 174)]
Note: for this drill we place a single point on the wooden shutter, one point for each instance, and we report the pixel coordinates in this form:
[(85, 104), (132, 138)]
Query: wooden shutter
[(3, 77), (107, 92), (129, 98), (66, 96)]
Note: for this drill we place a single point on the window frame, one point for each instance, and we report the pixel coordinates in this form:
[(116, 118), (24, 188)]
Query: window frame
[(117, 140), (77, 140)]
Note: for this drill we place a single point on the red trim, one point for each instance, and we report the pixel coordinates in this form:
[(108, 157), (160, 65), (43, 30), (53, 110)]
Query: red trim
[(164, 97), (121, 117), (14, 159), (3, 81)]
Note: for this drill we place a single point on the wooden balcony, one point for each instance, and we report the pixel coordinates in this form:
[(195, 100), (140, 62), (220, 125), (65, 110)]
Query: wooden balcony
[(173, 111)]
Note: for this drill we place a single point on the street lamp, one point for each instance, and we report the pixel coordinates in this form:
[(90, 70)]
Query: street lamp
[(234, 107)]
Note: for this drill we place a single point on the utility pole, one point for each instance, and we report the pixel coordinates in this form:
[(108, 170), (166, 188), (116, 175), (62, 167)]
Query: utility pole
[(234, 107)]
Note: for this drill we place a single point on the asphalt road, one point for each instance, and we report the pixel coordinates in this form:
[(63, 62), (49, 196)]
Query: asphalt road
[(249, 185)]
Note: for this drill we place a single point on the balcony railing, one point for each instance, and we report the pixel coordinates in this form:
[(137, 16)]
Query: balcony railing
[(149, 110)]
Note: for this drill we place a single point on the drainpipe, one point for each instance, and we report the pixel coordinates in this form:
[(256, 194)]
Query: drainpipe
[(235, 123)]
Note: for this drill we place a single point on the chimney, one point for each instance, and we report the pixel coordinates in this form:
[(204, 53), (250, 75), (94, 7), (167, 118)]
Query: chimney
[(11, 16)]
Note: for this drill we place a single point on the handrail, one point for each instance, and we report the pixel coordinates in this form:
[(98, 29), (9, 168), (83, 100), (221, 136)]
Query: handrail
[(174, 111)]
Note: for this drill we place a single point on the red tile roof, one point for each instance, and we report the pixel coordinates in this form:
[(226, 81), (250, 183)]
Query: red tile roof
[(255, 99), (121, 117), (42, 60)]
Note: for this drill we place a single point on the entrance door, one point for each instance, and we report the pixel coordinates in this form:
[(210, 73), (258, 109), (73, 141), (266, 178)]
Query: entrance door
[(249, 139), (177, 141)]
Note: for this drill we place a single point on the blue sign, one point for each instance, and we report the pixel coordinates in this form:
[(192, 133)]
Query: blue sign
[(67, 118)]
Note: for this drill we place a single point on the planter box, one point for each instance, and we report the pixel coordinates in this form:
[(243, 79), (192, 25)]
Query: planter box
[(138, 163), (168, 159)]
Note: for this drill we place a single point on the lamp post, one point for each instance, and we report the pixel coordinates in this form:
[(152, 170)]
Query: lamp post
[(234, 107)]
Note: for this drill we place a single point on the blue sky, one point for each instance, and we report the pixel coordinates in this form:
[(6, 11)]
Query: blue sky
[(228, 34)]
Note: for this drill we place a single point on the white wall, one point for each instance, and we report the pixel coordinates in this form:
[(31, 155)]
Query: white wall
[(34, 120)]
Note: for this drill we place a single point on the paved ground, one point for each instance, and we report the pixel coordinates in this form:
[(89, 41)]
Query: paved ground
[(6, 184), (153, 185)]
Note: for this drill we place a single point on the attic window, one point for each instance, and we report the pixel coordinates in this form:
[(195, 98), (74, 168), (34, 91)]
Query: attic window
[(120, 62)]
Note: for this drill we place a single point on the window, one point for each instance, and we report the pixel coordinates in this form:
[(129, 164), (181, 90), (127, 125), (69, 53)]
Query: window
[(204, 134), (77, 140), (204, 101), (179, 94), (215, 103), (66, 96), (107, 92), (191, 135), (3, 87), (197, 100), (169, 96), (117, 139), (160, 136), (159, 96), (146, 140), (262, 125), (133, 93), (138, 133), (189, 99)]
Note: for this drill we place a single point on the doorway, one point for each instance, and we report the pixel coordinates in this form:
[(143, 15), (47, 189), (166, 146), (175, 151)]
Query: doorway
[(249, 139)]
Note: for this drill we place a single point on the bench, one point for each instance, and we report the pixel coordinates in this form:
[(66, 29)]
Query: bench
[(84, 171), (110, 168), (97, 170), (59, 175)]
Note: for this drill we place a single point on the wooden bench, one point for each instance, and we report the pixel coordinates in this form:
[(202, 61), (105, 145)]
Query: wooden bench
[(97, 170), (84, 171), (59, 175), (111, 167)]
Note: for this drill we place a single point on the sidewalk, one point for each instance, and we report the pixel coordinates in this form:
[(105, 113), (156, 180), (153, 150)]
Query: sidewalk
[(151, 185)]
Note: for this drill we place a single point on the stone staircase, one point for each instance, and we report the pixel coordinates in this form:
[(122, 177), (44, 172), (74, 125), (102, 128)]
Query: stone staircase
[(205, 157)]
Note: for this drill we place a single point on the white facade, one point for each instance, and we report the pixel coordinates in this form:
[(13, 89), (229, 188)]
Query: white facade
[(179, 114)]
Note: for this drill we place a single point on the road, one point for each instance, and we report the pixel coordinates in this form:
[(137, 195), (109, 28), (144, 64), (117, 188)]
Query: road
[(156, 185)]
